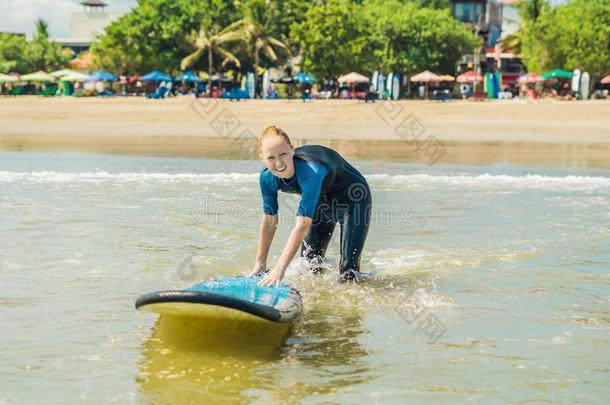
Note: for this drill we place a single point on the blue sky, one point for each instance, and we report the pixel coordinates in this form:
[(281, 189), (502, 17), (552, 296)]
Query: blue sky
[(19, 15)]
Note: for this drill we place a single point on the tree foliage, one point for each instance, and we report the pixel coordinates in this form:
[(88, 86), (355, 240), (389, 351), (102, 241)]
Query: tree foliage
[(154, 34), (19, 55), (570, 35), (12, 49), (211, 41), (391, 35), (43, 54), (408, 38), (332, 39)]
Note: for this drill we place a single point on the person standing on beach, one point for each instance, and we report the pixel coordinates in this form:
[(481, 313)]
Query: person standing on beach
[(331, 191)]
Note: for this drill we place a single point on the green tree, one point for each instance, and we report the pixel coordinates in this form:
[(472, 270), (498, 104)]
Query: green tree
[(211, 40), (332, 39), (154, 35), (407, 38), (431, 3), (255, 26), (12, 49), (43, 54), (570, 35), (285, 14)]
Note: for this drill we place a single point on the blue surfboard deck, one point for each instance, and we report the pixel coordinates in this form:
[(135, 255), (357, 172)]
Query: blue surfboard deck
[(227, 297)]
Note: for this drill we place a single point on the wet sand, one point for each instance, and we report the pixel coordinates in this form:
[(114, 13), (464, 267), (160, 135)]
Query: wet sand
[(543, 132)]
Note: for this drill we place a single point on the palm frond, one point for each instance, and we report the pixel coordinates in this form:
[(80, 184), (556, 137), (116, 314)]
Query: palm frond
[(191, 59), (228, 57)]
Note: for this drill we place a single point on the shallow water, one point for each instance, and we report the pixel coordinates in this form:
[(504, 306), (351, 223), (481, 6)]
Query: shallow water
[(490, 283)]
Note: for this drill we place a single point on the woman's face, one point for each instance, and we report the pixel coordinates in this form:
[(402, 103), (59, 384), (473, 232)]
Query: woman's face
[(277, 155)]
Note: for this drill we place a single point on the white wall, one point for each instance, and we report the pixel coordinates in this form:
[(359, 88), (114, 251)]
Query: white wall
[(89, 25), (510, 20)]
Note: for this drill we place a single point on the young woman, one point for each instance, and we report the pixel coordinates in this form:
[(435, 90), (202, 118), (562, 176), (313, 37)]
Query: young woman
[(331, 191)]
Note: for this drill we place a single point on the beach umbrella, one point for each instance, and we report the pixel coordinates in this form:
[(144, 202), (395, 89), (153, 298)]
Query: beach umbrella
[(558, 73), (304, 78), (156, 76), (8, 78), (353, 77), (62, 72), (447, 78), (606, 80), (530, 78), (425, 77), (102, 76), (469, 77), (188, 76), (74, 77), (39, 76)]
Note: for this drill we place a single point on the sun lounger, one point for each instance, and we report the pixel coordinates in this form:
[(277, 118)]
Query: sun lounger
[(235, 94), (161, 92)]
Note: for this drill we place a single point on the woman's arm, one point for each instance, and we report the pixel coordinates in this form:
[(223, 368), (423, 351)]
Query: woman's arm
[(295, 239), (266, 232)]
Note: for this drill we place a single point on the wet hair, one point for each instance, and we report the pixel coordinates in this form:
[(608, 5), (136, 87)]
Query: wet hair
[(271, 130)]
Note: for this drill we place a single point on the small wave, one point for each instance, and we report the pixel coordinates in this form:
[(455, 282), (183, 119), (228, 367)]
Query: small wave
[(101, 176), (529, 181)]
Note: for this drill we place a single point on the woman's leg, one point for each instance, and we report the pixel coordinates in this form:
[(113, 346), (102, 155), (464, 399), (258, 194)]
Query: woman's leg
[(315, 243), (354, 229)]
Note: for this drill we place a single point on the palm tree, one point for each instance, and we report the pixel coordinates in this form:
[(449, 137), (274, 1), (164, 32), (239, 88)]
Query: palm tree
[(255, 28), (42, 28), (212, 40), (511, 42)]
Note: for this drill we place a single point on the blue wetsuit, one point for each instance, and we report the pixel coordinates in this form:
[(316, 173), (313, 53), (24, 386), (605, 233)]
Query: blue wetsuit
[(331, 191)]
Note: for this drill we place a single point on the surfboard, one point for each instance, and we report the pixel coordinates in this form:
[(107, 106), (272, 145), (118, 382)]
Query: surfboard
[(395, 87), (250, 84), (585, 80), (388, 86), (231, 298), (575, 85), (375, 80), (266, 84), (380, 85)]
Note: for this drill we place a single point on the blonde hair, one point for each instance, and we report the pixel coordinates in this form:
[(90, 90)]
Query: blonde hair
[(271, 130)]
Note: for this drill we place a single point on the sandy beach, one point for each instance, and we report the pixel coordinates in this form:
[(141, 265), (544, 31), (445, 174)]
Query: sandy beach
[(558, 133)]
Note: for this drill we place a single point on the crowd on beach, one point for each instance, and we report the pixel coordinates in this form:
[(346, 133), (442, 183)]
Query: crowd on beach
[(557, 84)]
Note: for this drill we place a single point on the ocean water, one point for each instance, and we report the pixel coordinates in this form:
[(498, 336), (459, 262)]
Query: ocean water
[(489, 284)]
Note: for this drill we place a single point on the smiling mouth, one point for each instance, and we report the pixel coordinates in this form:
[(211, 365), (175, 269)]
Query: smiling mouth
[(281, 169)]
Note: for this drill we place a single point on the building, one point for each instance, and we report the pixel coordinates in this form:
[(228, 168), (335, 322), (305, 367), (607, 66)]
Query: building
[(88, 24), (492, 20), (484, 16), (510, 17)]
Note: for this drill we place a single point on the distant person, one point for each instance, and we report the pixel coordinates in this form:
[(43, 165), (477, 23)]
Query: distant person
[(465, 91)]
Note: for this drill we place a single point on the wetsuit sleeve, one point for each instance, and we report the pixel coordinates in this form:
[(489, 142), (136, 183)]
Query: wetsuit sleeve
[(311, 186), (268, 192)]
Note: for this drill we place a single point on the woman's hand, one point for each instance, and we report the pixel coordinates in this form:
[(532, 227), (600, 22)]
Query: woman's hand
[(259, 269), (273, 278)]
